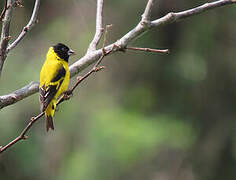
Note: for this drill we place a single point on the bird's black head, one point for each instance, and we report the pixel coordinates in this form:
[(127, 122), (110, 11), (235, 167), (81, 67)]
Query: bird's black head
[(63, 51)]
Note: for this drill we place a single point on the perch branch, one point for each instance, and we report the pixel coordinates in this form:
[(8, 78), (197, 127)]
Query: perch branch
[(65, 96), (23, 136), (93, 56), (99, 29), (98, 55)]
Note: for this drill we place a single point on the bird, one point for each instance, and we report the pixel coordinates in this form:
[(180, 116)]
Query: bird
[(54, 80)]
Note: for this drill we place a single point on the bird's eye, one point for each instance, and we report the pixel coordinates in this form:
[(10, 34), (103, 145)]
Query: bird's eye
[(63, 49)]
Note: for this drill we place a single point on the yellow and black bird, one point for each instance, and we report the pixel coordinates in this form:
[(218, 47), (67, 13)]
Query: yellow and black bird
[(54, 80)]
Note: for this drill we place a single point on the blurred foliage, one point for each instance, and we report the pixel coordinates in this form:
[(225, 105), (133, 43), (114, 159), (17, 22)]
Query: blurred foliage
[(146, 116)]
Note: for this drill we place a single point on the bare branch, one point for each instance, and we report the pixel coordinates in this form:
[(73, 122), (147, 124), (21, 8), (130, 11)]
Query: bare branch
[(27, 28), (22, 136), (80, 79), (105, 35), (5, 37), (93, 56), (171, 17), (3, 11), (97, 55), (18, 95), (147, 13), (162, 51), (95, 67), (99, 29)]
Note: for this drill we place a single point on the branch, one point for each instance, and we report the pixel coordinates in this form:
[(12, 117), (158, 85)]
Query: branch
[(65, 96), (3, 11), (18, 95), (98, 55), (99, 29), (5, 37), (162, 51), (93, 56), (27, 28), (172, 17), (95, 67), (147, 13), (22, 136), (80, 79)]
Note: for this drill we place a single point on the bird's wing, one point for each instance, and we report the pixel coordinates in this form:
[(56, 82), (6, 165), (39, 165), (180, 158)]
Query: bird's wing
[(47, 92)]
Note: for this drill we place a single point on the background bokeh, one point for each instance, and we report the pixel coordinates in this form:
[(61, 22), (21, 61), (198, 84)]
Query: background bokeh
[(146, 116)]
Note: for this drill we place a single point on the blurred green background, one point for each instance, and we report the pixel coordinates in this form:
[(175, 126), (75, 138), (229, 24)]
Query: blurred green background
[(146, 116)]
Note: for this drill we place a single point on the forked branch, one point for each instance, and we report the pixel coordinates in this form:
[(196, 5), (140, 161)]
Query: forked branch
[(99, 28), (64, 97), (5, 36), (93, 56), (27, 28), (3, 11)]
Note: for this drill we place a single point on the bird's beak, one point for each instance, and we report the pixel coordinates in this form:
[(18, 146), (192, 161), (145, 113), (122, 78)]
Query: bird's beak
[(71, 52)]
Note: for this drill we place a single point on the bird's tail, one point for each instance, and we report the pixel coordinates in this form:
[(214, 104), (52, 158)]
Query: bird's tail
[(49, 113), (49, 123)]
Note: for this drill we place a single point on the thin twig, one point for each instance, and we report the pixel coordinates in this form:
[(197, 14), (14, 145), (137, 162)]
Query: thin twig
[(172, 17), (99, 29), (5, 36), (162, 51), (27, 28), (147, 13), (105, 35), (22, 136), (3, 11), (68, 93)]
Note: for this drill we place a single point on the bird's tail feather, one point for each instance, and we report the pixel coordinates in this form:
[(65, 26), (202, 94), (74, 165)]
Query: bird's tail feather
[(49, 123)]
